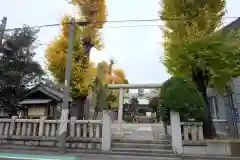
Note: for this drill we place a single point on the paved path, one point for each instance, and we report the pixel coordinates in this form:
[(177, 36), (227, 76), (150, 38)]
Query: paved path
[(138, 131)]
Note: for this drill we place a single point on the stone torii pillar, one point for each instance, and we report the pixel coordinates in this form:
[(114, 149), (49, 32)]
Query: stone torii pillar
[(120, 108)]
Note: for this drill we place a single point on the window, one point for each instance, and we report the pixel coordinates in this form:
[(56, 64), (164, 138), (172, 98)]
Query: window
[(213, 102)]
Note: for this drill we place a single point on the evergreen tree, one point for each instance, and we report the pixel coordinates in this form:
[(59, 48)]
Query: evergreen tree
[(17, 67)]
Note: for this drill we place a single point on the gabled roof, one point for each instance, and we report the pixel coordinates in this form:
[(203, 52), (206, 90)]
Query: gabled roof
[(51, 91), (232, 26), (35, 101)]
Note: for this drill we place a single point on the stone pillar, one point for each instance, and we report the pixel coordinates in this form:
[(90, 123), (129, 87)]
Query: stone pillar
[(176, 132), (12, 125), (120, 108), (41, 126), (106, 132), (72, 126)]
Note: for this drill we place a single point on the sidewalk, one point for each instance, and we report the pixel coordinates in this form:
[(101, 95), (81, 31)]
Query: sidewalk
[(32, 156)]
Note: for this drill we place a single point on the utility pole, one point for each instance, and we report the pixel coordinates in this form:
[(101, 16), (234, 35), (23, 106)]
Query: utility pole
[(2, 29), (68, 69), (65, 105)]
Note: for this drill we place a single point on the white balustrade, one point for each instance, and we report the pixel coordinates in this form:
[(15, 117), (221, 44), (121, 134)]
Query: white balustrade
[(192, 131), (82, 133)]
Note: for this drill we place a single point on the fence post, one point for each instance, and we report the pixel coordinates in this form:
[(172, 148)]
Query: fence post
[(12, 125), (200, 132), (106, 132), (72, 126), (41, 126), (176, 132)]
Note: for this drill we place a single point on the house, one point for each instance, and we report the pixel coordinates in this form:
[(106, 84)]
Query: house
[(220, 104), (221, 110), (41, 101)]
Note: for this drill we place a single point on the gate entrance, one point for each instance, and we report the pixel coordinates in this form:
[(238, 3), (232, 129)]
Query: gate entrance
[(131, 130)]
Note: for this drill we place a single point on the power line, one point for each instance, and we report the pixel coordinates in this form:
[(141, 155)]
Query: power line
[(126, 26), (119, 21), (147, 25)]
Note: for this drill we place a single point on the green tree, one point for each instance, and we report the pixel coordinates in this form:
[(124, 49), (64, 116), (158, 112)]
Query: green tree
[(102, 97), (154, 105), (133, 109), (99, 89), (193, 49), (115, 76), (17, 67), (181, 96)]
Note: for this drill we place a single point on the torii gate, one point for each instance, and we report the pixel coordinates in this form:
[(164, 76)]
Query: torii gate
[(121, 87), (174, 116)]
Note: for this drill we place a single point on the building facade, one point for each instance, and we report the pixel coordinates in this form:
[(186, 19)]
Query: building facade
[(221, 111), (41, 101)]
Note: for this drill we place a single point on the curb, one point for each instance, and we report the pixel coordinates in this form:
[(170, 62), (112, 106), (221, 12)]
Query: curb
[(79, 152)]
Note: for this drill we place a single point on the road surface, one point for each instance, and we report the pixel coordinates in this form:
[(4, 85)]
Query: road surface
[(11, 156), (7, 154), (26, 155)]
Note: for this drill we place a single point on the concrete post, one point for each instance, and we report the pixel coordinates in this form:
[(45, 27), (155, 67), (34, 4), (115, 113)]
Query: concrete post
[(176, 132), (72, 126), (66, 93), (12, 125), (120, 108), (106, 132), (41, 126)]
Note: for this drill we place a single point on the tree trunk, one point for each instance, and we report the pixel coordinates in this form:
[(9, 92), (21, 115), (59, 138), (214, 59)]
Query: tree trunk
[(77, 109), (201, 82), (95, 114), (88, 45)]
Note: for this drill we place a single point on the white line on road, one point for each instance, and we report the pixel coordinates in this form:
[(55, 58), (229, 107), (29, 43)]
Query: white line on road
[(12, 157)]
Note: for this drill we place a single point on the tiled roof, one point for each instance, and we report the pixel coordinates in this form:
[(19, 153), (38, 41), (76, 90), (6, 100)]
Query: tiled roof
[(34, 101), (233, 25), (52, 91)]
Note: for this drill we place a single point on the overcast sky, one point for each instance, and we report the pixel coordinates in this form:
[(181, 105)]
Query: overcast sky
[(136, 49)]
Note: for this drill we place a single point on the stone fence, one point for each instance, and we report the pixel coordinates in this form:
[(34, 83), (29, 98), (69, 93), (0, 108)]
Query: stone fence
[(40, 132), (192, 131), (183, 131)]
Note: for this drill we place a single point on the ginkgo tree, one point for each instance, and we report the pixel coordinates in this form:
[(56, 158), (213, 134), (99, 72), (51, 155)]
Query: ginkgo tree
[(56, 53), (194, 50), (82, 70), (94, 12), (86, 37)]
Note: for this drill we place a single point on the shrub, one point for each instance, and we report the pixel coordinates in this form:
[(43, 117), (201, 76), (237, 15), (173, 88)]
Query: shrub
[(181, 96)]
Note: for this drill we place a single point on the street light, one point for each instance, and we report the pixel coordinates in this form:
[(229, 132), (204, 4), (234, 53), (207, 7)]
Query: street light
[(65, 105)]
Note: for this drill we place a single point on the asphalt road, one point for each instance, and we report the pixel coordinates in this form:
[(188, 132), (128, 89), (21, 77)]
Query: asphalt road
[(100, 157), (40, 155)]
